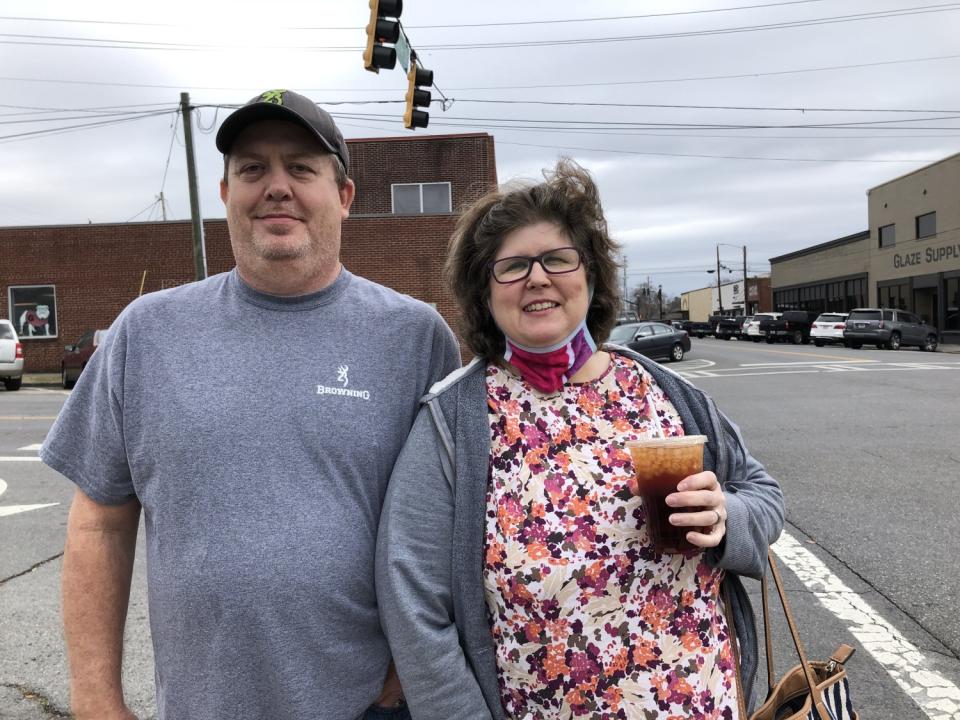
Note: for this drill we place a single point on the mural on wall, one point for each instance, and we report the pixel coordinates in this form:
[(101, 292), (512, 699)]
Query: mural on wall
[(33, 310)]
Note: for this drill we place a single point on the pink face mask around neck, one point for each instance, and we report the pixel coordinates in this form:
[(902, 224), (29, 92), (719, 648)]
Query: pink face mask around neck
[(547, 369)]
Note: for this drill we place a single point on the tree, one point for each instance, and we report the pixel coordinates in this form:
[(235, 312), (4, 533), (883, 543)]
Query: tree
[(651, 303)]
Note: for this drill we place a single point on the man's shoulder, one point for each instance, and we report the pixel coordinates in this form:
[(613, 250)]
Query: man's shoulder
[(180, 297), (381, 301)]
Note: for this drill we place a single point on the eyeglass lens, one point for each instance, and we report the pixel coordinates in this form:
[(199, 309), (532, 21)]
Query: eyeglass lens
[(554, 262)]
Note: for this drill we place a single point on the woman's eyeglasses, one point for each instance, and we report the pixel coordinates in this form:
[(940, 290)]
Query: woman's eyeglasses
[(554, 262)]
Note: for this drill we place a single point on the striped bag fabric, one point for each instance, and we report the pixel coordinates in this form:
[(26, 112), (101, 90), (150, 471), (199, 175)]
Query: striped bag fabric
[(812, 690)]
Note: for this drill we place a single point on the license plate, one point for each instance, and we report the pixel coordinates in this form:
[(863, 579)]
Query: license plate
[(861, 325)]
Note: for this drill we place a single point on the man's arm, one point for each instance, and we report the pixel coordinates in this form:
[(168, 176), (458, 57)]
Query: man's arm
[(97, 570)]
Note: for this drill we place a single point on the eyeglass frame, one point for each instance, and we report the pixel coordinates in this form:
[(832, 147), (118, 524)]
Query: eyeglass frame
[(536, 259)]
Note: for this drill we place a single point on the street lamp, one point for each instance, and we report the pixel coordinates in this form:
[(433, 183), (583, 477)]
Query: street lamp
[(744, 248)]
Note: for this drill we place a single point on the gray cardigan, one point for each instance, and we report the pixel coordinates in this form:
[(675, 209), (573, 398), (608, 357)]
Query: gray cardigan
[(430, 547)]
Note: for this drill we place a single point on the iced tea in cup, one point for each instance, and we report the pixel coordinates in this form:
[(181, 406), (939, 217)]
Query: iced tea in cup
[(660, 464)]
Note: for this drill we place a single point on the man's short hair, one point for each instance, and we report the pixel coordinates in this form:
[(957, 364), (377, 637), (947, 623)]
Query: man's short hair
[(568, 199)]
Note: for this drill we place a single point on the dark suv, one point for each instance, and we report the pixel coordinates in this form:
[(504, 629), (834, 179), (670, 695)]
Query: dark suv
[(887, 328)]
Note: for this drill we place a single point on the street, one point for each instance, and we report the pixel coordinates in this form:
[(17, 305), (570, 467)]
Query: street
[(862, 441)]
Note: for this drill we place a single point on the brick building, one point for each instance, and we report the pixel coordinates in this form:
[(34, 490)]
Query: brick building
[(409, 190)]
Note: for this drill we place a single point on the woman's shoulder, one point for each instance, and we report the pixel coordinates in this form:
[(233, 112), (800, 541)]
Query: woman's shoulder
[(471, 369)]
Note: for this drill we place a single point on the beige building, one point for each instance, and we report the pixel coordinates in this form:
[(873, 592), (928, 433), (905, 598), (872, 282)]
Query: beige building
[(831, 276), (909, 258), (698, 305), (915, 255)]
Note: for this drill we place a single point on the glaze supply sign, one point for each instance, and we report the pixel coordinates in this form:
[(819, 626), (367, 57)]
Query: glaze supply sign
[(33, 311), (927, 256)]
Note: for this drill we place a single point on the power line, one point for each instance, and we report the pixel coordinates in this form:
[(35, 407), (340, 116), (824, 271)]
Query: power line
[(113, 43), (665, 106), (427, 27), (84, 126), (697, 78), (589, 124), (720, 157)]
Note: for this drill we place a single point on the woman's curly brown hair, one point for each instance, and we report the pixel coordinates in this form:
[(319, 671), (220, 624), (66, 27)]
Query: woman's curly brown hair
[(568, 199)]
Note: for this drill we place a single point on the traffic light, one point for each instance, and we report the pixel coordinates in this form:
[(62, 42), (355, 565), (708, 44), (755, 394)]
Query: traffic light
[(417, 97), (380, 30)]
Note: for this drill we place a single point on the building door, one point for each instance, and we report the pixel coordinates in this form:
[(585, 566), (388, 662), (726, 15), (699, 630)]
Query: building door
[(926, 304)]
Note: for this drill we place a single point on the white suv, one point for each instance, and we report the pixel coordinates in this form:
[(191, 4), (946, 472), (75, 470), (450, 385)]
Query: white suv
[(11, 356), (828, 328)]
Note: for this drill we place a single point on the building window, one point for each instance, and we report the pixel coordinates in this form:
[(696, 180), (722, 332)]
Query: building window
[(926, 225), (421, 198), (887, 236), (952, 288), (893, 296)]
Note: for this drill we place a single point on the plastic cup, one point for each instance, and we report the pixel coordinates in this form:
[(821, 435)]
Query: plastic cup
[(659, 465)]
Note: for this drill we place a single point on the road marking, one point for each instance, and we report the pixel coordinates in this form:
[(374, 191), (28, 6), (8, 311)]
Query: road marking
[(14, 458), (804, 362), (6, 510), (31, 448), (28, 417), (793, 353), (937, 697)]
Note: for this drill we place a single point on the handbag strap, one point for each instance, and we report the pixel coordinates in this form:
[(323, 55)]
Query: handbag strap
[(735, 648), (808, 673)]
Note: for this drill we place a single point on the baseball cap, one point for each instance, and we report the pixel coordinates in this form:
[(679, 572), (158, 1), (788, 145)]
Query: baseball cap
[(284, 105)]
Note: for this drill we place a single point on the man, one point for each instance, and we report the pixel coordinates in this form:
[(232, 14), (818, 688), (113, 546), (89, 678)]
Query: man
[(254, 417)]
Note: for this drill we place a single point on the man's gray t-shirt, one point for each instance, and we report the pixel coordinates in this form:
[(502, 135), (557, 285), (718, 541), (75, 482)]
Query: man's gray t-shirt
[(258, 433)]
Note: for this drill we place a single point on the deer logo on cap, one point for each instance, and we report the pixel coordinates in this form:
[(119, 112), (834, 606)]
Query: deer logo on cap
[(273, 96)]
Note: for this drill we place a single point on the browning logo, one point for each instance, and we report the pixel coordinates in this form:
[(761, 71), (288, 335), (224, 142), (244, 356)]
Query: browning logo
[(273, 96)]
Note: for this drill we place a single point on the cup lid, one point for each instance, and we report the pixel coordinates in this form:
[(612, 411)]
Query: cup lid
[(678, 441)]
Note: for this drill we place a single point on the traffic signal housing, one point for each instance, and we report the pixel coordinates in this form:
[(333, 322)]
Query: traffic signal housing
[(417, 97), (381, 29)]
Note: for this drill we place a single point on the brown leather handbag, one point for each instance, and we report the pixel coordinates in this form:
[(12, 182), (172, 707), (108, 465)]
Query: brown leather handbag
[(812, 690)]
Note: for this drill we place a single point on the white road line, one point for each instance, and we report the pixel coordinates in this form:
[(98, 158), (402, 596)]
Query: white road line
[(937, 697), (807, 362), (31, 448), (14, 458), (6, 510)]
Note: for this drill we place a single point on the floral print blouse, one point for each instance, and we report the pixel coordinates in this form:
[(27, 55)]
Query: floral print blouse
[(588, 620)]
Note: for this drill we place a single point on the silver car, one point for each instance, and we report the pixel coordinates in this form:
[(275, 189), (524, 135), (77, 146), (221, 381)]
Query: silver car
[(888, 328), (11, 356)]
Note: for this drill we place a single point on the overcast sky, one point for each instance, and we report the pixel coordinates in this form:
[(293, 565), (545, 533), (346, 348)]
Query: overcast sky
[(748, 170)]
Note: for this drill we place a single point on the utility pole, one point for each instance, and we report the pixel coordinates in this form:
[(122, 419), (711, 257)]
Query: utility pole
[(660, 300), (719, 288), (625, 300), (199, 248), (745, 296)]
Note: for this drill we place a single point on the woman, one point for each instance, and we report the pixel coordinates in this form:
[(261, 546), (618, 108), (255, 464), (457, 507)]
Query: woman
[(514, 570)]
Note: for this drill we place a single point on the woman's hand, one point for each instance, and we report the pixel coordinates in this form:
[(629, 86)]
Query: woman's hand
[(709, 521)]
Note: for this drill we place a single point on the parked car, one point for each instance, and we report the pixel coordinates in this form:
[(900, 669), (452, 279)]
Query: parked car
[(11, 356), (828, 328), (888, 328), (753, 327), (742, 332), (697, 329), (627, 316), (792, 326), (76, 357), (727, 326), (656, 340)]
